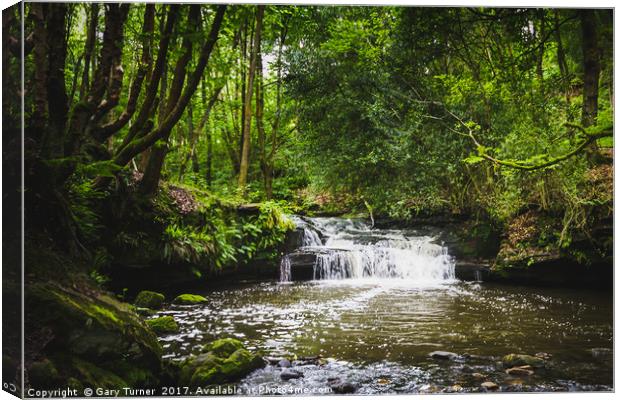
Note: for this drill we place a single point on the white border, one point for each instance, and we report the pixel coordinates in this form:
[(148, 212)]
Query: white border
[(497, 3)]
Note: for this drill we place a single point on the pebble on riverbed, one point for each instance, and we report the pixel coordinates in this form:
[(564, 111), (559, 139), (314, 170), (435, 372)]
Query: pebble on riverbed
[(340, 387), (288, 374), (478, 376), (284, 363), (490, 386), (443, 355), (543, 355), (523, 370)]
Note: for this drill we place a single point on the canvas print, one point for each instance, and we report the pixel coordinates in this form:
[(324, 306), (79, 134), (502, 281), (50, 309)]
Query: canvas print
[(257, 199)]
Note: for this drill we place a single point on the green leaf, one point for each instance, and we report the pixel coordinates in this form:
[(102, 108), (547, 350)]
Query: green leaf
[(473, 159)]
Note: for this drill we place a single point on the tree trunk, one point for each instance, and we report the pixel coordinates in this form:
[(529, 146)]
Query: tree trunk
[(163, 130), (541, 50), (278, 116), (39, 117), (209, 169), (247, 120), (561, 55), (148, 106), (260, 105), (104, 132), (591, 66), (190, 142), (107, 79), (156, 158), (91, 34)]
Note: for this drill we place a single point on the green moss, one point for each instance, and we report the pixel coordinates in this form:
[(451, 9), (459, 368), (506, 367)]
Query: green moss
[(223, 347), (203, 361), (165, 324), (148, 299), (516, 360), (134, 376), (93, 376), (92, 328), (240, 363), (234, 363), (188, 299)]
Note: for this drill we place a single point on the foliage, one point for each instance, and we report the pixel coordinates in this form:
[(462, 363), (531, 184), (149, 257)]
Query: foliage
[(405, 111)]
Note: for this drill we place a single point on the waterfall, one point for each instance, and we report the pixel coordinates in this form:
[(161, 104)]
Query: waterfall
[(310, 238), (420, 260), (285, 269), (353, 250)]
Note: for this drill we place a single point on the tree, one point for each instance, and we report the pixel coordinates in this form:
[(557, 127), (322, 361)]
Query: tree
[(247, 110)]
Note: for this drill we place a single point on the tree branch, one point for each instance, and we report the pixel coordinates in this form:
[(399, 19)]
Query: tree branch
[(139, 145), (590, 138)]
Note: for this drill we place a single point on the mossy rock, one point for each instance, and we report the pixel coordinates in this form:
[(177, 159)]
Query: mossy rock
[(203, 370), (223, 347), (517, 360), (43, 374), (135, 376), (241, 363), (91, 328), (93, 376), (189, 299), (231, 363), (165, 324), (148, 299)]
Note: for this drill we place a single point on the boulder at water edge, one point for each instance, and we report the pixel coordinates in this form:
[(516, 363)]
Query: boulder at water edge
[(95, 340), (165, 324), (148, 299), (225, 361)]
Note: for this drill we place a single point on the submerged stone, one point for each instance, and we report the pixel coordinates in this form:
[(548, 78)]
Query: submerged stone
[(342, 387), (543, 355), (490, 386), (443, 355), (272, 360), (284, 363), (189, 299), (517, 360), (521, 371), (148, 299), (165, 324), (291, 374)]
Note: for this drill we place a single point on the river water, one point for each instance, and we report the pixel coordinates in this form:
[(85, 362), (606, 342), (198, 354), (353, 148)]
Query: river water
[(382, 300)]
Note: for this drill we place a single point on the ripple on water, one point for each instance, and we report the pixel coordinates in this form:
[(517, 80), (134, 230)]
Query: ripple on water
[(392, 327)]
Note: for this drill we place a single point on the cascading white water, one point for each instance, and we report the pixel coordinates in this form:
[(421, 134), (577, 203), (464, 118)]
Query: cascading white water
[(285, 269), (310, 238), (353, 250)]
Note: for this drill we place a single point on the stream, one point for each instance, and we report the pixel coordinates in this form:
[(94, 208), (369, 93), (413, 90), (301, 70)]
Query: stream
[(381, 301)]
